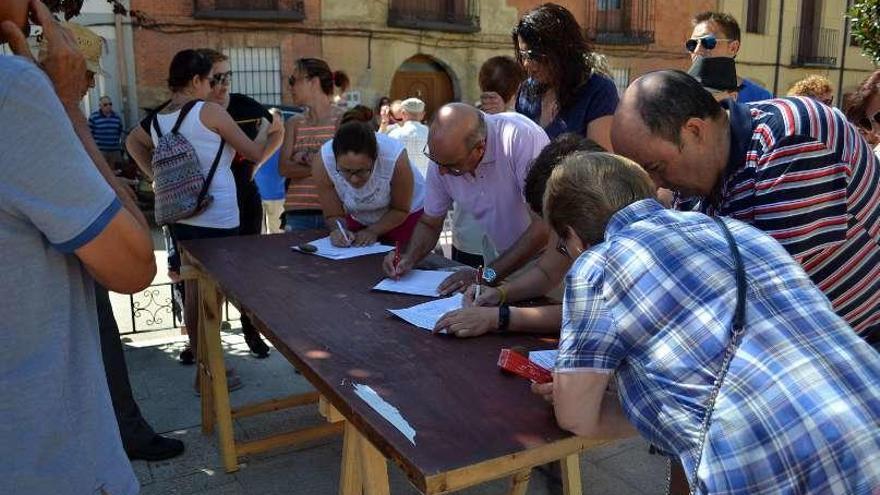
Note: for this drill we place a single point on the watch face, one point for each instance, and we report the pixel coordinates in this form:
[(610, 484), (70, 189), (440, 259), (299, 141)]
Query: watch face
[(489, 275)]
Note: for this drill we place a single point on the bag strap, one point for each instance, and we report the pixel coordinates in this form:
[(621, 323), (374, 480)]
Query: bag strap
[(183, 112), (207, 183), (739, 320)]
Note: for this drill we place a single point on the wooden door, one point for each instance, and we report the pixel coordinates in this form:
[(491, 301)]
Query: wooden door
[(434, 88)]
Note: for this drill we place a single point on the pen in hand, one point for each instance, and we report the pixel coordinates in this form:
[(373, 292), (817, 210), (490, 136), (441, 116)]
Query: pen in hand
[(342, 230), (479, 280), (396, 259)]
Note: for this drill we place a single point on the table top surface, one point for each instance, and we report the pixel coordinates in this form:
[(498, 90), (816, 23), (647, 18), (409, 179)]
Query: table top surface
[(324, 318)]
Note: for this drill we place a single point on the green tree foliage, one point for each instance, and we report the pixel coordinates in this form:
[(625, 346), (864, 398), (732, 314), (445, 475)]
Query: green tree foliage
[(865, 15)]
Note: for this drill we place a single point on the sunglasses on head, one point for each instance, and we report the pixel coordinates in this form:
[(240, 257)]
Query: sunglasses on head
[(707, 42), (221, 78)]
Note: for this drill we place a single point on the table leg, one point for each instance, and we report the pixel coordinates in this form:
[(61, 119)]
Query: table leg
[(374, 469), (209, 330), (520, 482), (204, 381), (571, 475), (350, 480)]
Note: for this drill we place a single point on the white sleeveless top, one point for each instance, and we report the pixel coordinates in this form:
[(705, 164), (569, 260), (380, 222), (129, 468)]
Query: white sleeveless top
[(223, 211), (368, 203)]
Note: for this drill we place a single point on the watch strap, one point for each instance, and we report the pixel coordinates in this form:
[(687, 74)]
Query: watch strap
[(503, 318)]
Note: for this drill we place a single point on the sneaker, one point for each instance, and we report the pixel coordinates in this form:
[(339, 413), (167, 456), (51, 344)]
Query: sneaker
[(233, 382), (258, 348), (187, 357), (158, 448)]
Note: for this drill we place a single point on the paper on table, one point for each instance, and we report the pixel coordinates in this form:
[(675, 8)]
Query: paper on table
[(329, 251), (544, 359), (425, 315), (416, 282), (386, 410)]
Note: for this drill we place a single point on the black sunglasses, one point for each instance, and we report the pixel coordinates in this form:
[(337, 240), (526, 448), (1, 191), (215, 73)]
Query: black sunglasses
[(530, 54), (707, 42), (221, 78), (876, 117)]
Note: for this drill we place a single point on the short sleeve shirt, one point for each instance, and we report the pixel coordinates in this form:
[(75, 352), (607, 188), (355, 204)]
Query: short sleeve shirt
[(494, 194), (595, 98), (58, 432), (800, 172), (798, 411)]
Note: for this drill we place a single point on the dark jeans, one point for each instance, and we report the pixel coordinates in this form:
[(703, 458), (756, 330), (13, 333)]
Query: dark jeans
[(133, 428), (305, 220)]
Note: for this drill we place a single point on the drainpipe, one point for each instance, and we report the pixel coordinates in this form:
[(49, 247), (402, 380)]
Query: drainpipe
[(844, 44), (778, 48), (121, 69)]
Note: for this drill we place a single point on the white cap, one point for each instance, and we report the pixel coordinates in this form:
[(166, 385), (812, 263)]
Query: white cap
[(413, 105)]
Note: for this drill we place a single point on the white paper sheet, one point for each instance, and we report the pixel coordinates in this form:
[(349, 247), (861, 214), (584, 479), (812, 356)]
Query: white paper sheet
[(386, 410), (415, 282), (329, 251), (425, 315), (544, 359)]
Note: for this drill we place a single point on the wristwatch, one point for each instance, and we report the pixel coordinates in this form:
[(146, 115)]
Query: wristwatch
[(489, 275), (503, 318)]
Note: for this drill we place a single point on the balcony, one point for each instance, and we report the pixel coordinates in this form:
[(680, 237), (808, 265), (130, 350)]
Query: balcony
[(250, 10), (814, 47), (457, 16), (620, 22)]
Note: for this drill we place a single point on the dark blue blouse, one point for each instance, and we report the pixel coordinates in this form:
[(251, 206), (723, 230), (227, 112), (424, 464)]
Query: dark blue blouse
[(595, 98)]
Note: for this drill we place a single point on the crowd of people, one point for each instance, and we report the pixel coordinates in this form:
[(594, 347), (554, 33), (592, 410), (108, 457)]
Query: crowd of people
[(708, 255)]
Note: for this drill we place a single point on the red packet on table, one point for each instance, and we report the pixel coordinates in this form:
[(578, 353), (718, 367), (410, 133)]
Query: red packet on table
[(518, 364)]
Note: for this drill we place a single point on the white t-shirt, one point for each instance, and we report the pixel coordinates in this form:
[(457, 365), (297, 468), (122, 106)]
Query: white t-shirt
[(414, 136), (223, 211), (370, 202)]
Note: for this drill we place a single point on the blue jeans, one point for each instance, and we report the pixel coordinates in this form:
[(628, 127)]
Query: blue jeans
[(309, 221)]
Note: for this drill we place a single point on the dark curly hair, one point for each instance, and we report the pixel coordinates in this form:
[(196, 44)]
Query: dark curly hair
[(553, 33), (547, 160)]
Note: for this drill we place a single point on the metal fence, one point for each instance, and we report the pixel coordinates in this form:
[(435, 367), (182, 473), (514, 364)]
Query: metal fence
[(256, 72), (153, 309)]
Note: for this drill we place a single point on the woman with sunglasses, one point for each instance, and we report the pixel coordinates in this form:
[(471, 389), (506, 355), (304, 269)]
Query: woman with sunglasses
[(368, 188), (565, 91), (207, 126), (311, 86)]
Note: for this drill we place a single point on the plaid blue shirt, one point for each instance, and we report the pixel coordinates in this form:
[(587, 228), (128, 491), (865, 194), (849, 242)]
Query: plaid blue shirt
[(799, 411)]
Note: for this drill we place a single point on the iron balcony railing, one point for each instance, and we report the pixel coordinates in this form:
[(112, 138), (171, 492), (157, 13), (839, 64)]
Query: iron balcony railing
[(814, 46), (620, 22), (435, 15), (250, 10)]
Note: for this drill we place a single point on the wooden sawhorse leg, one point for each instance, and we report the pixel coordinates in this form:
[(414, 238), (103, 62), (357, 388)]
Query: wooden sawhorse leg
[(364, 469), (212, 374), (571, 477)]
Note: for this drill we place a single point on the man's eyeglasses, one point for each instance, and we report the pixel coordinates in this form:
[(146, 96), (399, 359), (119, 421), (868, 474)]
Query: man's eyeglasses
[(530, 54), (109, 104), (223, 78), (361, 173), (707, 42), (451, 168), (562, 248)]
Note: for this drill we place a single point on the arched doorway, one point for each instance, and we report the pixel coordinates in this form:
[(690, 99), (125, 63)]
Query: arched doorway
[(424, 78)]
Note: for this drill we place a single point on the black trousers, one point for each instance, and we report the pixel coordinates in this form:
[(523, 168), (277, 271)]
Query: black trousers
[(133, 428), (250, 217)]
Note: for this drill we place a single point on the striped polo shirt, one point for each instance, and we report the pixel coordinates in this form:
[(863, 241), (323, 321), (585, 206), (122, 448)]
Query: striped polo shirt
[(803, 174), (302, 194), (106, 130)]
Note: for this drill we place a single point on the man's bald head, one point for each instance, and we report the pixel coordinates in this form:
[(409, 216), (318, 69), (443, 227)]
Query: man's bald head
[(455, 130), (665, 100)]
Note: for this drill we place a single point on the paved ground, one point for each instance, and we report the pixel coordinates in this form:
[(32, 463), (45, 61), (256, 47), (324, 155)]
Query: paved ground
[(165, 394), (164, 390)]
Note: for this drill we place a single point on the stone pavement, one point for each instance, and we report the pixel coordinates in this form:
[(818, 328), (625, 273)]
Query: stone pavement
[(164, 390)]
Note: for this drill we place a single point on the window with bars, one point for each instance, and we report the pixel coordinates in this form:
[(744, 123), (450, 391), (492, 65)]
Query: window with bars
[(756, 16), (620, 78), (256, 72), (250, 10)]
